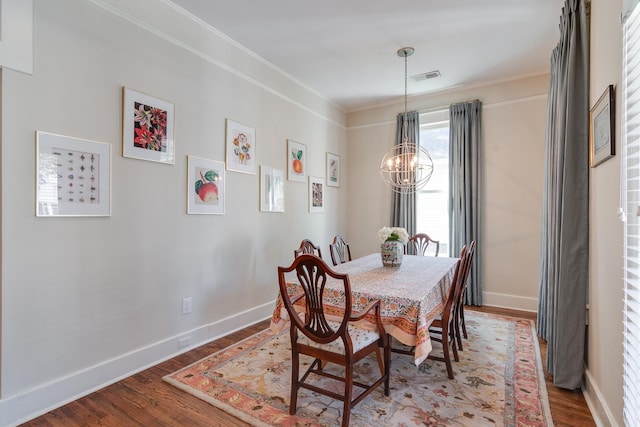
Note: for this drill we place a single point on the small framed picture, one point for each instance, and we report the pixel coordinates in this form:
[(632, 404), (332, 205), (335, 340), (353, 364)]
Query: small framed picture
[(333, 170), (296, 161), (73, 176), (271, 189), (147, 128), (241, 148), (602, 128), (316, 194), (205, 188)]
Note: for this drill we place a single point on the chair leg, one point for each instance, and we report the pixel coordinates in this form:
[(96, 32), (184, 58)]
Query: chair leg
[(387, 365), (445, 351), (452, 338), (457, 327), (381, 362), (464, 326), (348, 390), (295, 367)]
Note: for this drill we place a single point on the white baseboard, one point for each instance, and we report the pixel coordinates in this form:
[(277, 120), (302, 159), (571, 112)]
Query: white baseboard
[(601, 413), (18, 409), (513, 302)]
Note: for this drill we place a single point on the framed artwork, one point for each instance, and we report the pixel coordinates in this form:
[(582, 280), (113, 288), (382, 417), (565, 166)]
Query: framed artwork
[(73, 176), (602, 144), (271, 189), (333, 170), (241, 148), (296, 161), (316, 194), (147, 128), (205, 186)]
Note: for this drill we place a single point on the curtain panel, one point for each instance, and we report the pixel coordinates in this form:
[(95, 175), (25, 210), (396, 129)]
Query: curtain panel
[(403, 206), (564, 253), (464, 187)]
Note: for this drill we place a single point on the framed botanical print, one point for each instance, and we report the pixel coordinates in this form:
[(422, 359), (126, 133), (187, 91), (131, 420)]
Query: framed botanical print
[(316, 194), (205, 186), (241, 147), (296, 161), (271, 189), (333, 170), (73, 176), (147, 128)]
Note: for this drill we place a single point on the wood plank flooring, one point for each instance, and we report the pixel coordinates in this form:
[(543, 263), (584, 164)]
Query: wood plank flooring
[(145, 400)]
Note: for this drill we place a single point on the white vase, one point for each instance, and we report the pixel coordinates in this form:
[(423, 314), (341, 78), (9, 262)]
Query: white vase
[(391, 253)]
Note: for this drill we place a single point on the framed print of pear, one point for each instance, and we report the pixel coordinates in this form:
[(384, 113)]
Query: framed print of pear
[(205, 192), (296, 161)]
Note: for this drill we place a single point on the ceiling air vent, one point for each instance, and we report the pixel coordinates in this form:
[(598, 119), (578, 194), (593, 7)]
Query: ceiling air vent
[(426, 76)]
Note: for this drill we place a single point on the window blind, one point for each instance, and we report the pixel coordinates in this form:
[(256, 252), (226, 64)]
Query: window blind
[(630, 204)]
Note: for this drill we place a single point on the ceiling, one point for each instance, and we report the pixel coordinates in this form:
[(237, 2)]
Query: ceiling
[(346, 50)]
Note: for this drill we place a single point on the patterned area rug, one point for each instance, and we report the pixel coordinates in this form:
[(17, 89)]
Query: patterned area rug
[(498, 382)]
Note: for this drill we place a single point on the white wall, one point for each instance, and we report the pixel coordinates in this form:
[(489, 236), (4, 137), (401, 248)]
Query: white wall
[(511, 166), (603, 379), (86, 301)]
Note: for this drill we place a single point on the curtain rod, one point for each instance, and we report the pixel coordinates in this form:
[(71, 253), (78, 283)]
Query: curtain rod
[(441, 107)]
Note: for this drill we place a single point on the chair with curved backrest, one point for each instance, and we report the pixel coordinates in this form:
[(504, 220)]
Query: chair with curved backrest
[(340, 251), (421, 242), (460, 326), (442, 329), (328, 341), (307, 247)]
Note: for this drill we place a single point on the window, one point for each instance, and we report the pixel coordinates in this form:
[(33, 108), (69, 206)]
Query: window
[(432, 202), (630, 203)]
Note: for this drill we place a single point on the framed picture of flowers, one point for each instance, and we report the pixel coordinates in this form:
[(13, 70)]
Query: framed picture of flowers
[(316, 194), (73, 176), (271, 189), (147, 128), (241, 147), (296, 161), (333, 170), (205, 188)]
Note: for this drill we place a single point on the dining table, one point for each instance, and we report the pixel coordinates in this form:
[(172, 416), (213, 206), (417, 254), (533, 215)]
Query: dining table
[(412, 295)]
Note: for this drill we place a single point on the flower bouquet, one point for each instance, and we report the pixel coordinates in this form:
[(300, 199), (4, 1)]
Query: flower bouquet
[(392, 241)]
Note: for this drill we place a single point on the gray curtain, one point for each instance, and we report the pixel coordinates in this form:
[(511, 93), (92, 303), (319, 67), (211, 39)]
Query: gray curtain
[(403, 206), (464, 187), (564, 252)]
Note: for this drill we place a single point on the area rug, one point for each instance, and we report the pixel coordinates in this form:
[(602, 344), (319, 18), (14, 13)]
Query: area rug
[(498, 382)]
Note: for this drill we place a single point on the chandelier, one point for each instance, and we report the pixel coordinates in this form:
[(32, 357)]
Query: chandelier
[(407, 167)]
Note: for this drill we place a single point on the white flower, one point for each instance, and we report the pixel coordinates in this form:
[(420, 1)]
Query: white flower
[(393, 233)]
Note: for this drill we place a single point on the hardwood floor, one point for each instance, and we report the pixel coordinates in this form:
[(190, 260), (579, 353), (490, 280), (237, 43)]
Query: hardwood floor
[(145, 400)]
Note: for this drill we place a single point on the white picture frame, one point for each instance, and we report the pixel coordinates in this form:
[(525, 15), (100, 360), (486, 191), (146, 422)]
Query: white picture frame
[(316, 194), (147, 128), (73, 176), (271, 189), (333, 170), (205, 186), (240, 147), (296, 161)]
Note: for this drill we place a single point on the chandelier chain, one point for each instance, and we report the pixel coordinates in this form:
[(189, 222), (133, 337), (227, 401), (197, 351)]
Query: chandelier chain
[(407, 167)]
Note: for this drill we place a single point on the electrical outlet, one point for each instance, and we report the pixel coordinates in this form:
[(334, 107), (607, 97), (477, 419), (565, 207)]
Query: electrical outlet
[(183, 342), (187, 305)]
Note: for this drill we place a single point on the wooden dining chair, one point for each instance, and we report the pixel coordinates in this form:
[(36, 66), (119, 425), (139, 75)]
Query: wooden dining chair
[(307, 247), (339, 250), (442, 329), (329, 341), (421, 242), (460, 326)]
